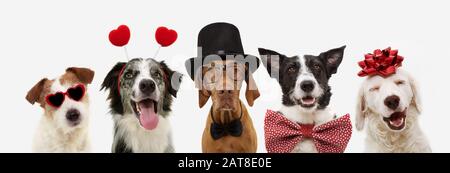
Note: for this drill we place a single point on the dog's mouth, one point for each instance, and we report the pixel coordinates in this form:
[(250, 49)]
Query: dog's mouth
[(146, 111), (307, 101), (396, 121)]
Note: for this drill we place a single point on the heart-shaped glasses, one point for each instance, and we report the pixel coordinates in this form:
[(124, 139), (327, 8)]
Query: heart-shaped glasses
[(57, 99)]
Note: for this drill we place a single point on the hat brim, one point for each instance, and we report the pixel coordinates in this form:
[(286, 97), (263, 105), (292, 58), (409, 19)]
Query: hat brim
[(192, 67)]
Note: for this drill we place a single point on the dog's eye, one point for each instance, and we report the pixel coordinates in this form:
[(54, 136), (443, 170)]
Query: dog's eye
[(128, 75), (316, 67), (157, 75), (291, 70), (375, 88), (400, 82)]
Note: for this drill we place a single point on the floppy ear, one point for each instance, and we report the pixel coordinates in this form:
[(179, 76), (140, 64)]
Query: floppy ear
[(271, 60), (84, 74), (416, 100), (203, 96), (173, 79), (332, 59), (361, 110), (251, 91), (203, 93), (111, 83), (34, 94)]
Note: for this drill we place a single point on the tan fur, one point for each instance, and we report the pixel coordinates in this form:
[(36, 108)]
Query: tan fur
[(83, 75), (247, 142)]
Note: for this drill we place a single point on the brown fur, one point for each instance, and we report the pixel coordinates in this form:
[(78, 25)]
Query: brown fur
[(38, 92), (73, 75), (247, 142), (84, 75)]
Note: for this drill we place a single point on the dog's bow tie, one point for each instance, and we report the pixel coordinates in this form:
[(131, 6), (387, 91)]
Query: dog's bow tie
[(234, 128), (282, 135)]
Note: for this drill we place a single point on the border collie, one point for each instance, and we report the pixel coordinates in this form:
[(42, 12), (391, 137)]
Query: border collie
[(140, 94), (304, 84)]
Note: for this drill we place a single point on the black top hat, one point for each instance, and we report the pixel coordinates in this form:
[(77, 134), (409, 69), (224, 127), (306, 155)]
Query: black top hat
[(216, 41)]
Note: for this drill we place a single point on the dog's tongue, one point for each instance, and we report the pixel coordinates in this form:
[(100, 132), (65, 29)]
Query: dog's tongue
[(308, 100), (148, 118), (397, 119), (397, 122)]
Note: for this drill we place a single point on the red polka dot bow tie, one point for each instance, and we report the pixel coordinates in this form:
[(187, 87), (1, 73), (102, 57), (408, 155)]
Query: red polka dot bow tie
[(282, 135)]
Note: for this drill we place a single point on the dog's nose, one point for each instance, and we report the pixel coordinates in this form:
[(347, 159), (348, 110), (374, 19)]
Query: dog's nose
[(392, 102), (147, 86), (225, 92), (73, 115), (307, 86)]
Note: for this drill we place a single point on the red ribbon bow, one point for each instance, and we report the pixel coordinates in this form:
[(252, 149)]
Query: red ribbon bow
[(282, 135), (381, 62)]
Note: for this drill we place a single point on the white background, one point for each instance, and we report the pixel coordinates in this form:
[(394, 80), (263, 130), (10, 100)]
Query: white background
[(42, 38)]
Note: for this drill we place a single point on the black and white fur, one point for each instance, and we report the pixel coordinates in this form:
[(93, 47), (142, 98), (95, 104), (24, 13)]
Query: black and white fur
[(129, 135), (304, 84)]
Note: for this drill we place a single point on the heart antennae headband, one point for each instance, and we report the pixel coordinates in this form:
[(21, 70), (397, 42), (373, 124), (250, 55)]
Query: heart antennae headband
[(381, 62), (121, 36)]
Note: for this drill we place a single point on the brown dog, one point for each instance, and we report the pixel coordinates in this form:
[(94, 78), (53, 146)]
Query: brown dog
[(218, 72), (222, 81)]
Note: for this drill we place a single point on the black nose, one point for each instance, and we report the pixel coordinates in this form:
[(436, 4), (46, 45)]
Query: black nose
[(307, 86), (73, 115), (147, 86), (392, 102)]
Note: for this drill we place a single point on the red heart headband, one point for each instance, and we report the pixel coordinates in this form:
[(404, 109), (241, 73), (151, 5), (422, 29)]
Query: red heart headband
[(380, 62), (121, 36)]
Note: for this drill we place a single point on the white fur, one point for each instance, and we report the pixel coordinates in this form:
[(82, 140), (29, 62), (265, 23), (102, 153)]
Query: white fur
[(54, 134), (371, 110), (141, 140), (138, 139), (305, 75), (144, 68), (302, 115)]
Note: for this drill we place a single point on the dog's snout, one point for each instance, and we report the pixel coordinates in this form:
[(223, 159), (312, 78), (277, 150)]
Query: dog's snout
[(307, 86), (392, 102), (225, 92), (147, 86), (73, 115)]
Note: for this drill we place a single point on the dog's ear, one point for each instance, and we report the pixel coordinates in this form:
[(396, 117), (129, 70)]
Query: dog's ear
[(203, 97), (361, 110), (251, 91), (203, 93), (416, 100), (173, 79), (111, 83), (34, 94), (271, 60), (85, 75), (332, 59)]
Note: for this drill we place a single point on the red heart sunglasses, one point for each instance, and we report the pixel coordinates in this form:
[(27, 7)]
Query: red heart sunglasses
[(75, 93)]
